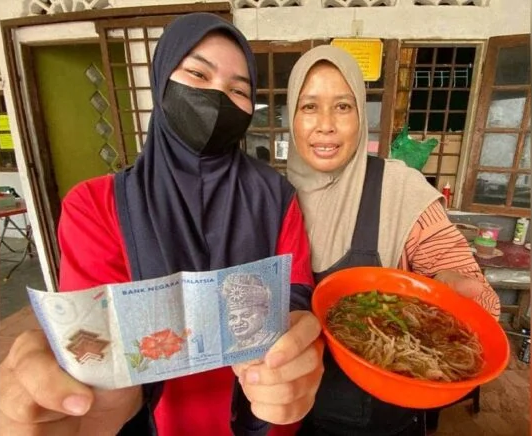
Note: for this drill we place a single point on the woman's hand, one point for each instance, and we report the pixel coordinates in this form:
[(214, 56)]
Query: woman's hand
[(38, 398), (466, 286), (282, 388)]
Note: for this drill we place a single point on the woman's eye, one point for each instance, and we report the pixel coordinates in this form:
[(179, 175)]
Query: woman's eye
[(344, 107), (196, 74), (240, 92), (308, 107)]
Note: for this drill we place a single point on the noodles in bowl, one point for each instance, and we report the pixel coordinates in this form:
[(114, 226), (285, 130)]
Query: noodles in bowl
[(435, 386), (406, 336)]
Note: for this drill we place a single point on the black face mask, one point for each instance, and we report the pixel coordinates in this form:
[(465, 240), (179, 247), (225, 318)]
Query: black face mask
[(205, 119)]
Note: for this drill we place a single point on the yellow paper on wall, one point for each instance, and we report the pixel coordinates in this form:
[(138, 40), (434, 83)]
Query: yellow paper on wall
[(367, 52), (6, 141), (4, 123)]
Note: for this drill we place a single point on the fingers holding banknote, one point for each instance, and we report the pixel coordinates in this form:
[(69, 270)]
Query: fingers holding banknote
[(38, 397), (282, 388)]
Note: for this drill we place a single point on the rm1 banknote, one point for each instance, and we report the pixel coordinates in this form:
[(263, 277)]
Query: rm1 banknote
[(127, 334)]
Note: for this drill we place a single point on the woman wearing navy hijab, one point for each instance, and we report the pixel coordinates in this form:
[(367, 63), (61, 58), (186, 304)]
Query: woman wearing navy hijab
[(192, 202)]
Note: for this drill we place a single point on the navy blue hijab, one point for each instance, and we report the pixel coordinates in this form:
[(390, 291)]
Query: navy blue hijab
[(180, 211)]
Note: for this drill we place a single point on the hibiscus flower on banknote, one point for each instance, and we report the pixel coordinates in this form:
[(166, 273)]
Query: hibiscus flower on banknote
[(159, 345)]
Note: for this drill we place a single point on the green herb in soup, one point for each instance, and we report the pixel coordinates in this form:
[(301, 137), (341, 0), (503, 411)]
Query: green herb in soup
[(406, 336)]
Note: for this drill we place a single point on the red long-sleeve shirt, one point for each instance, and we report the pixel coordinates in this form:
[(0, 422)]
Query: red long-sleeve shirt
[(93, 253)]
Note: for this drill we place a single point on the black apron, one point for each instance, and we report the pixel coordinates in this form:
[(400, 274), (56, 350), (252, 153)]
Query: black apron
[(341, 407)]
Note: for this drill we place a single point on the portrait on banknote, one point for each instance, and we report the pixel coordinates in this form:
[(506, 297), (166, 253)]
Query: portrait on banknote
[(248, 304)]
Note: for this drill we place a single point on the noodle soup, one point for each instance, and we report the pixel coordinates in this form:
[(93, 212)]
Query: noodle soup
[(406, 336)]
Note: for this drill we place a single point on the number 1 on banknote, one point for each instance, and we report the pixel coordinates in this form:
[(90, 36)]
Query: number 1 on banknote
[(198, 340)]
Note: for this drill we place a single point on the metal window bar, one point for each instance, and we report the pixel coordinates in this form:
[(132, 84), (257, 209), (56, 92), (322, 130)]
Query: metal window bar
[(131, 77), (269, 49), (135, 70), (138, 36), (442, 75), (461, 74), (446, 121), (445, 78), (429, 100), (421, 75)]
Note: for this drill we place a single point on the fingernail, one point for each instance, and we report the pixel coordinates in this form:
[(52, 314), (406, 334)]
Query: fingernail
[(252, 377), (275, 359), (76, 404)]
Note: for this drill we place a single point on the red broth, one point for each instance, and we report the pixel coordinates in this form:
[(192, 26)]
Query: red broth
[(406, 336)]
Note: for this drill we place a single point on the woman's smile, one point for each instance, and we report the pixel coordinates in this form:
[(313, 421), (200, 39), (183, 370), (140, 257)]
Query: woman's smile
[(325, 150)]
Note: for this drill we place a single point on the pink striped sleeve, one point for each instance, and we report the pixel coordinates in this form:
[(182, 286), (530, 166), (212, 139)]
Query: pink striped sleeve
[(435, 245)]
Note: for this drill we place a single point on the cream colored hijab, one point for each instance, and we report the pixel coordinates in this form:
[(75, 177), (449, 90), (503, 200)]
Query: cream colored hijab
[(330, 201)]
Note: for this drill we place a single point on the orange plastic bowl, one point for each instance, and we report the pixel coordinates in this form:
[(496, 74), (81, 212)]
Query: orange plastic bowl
[(388, 386)]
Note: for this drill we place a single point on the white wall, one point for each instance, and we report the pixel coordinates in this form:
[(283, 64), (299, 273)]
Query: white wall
[(403, 21)]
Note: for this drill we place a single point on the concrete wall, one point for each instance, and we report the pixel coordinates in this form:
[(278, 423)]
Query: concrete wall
[(404, 20)]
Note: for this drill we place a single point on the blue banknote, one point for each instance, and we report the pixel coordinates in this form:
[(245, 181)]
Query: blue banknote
[(132, 333)]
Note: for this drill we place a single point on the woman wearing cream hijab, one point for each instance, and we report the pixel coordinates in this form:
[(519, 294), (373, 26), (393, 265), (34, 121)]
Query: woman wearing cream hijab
[(364, 211)]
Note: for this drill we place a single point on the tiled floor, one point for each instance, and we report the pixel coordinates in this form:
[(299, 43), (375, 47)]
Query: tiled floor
[(504, 405), (13, 295), (505, 402)]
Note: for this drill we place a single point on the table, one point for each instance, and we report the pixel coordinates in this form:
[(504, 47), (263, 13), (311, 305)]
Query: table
[(510, 271), (7, 215), (513, 257)]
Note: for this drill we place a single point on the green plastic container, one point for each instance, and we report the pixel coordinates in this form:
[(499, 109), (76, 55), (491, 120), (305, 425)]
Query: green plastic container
[(7, 201), (485, 246)]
